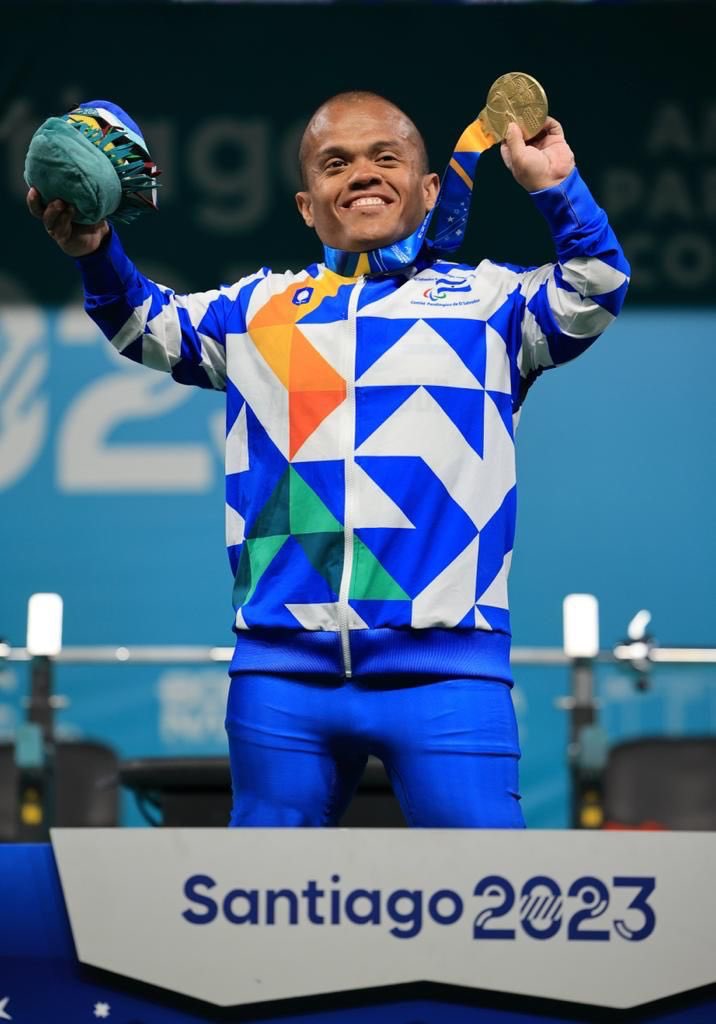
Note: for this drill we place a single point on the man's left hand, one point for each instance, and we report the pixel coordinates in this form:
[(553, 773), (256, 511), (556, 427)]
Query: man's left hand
[(544, 161)]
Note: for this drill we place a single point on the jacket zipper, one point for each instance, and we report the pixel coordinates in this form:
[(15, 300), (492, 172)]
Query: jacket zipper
[(349, 441)]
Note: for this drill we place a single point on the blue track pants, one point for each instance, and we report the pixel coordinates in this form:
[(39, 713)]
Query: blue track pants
[(298, 749)]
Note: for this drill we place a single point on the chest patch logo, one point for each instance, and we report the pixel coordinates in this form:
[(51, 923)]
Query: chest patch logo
[(445, 286), (302, 296)]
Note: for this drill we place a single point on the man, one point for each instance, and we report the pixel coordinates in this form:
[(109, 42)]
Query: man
[(370, 466)]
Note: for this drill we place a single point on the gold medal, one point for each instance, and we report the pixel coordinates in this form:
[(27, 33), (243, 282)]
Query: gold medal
[(514, 97)]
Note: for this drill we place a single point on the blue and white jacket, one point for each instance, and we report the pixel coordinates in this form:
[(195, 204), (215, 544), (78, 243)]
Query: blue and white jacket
[(370, 459)]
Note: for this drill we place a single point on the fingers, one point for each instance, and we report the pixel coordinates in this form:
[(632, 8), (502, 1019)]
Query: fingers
[(34, 203), (553, 127), (58, 221), (514, 139), (552, 131), (54, 212), (513, 145), (56, 216)]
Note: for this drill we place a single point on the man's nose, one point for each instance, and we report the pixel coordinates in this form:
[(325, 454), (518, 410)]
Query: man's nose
[(364, 172)]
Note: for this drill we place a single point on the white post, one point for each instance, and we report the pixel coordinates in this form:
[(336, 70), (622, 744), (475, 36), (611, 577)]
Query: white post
[(44, 625)]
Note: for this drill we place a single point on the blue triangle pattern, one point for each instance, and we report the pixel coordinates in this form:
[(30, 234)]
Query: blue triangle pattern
[(267, 614), (234, 552), (376, 289), (412, 485), (561, 281), (466, 409), (261, 485), (234, 491), (614, 258), (612, 301), (504, 407), (234, 402), (394, 614), (496, 537), (375, 335), (291, 575), (540, 309), (500, 322), (467, 621), (159, 299), (561, 347), (467, 338), (235, 312), (327, 479), (213, 323), (499, 618), (374, 405)]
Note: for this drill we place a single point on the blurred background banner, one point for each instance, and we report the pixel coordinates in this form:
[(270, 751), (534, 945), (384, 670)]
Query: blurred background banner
[(222, 93), (111, 476)]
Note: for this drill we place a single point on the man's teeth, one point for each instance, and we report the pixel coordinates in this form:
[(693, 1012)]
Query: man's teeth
[(368, 201)]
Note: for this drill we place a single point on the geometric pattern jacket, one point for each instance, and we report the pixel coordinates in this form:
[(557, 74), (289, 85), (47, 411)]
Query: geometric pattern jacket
[(370, 460)]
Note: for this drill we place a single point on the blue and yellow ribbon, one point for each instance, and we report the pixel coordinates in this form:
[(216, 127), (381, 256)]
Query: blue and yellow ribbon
[(448, 217)]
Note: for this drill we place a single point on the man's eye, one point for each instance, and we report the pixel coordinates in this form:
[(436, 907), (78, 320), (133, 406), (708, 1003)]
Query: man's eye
[(387, 156), (335, 165)]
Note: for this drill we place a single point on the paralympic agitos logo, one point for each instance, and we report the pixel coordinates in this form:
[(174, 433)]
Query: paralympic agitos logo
[(591, 909)]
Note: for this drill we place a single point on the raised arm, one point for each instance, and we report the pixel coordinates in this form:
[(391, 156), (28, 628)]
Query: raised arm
[(566, 304), (181, 334)]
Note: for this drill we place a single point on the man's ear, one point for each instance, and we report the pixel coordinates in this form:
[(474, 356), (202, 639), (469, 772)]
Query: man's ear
[(431, 188), (303, 202)]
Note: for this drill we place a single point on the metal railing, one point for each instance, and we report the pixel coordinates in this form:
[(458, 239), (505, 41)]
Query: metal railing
[(587, 747), (172, 654)]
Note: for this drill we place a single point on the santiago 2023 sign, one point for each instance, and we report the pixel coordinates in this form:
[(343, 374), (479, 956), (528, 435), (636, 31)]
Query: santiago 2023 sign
[(236, 917)]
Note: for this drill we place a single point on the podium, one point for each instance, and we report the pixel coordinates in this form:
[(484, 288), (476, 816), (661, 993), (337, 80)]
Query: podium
[(175, 926)]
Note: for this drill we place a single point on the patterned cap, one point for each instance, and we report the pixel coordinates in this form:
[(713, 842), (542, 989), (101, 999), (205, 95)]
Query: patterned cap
[(96, 159)]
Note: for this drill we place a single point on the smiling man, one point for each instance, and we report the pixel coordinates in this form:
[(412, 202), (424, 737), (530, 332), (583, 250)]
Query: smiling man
[(370, 468), (366, 170)]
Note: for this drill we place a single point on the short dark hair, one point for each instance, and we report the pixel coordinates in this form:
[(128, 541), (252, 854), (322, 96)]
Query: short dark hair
[(357, 95)]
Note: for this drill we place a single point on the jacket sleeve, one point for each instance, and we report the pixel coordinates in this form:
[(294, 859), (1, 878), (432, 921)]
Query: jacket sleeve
[(566, 305), (184, 335)]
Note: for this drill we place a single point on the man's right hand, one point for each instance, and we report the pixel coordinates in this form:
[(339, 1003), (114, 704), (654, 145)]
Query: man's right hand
[(73, 239)]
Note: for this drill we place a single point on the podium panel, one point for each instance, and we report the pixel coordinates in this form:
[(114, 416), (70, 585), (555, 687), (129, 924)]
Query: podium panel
[(183, 925)]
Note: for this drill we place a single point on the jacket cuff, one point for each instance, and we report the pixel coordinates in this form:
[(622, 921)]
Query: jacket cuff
[(570, 209), (108, 270)]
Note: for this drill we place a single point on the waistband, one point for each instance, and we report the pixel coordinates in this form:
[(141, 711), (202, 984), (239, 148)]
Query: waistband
[(474, 653)]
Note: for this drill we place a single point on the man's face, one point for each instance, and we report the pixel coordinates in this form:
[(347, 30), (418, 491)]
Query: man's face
[(365, 182)]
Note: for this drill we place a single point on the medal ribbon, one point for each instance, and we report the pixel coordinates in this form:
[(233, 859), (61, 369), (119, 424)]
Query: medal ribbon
[(448, 217)]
